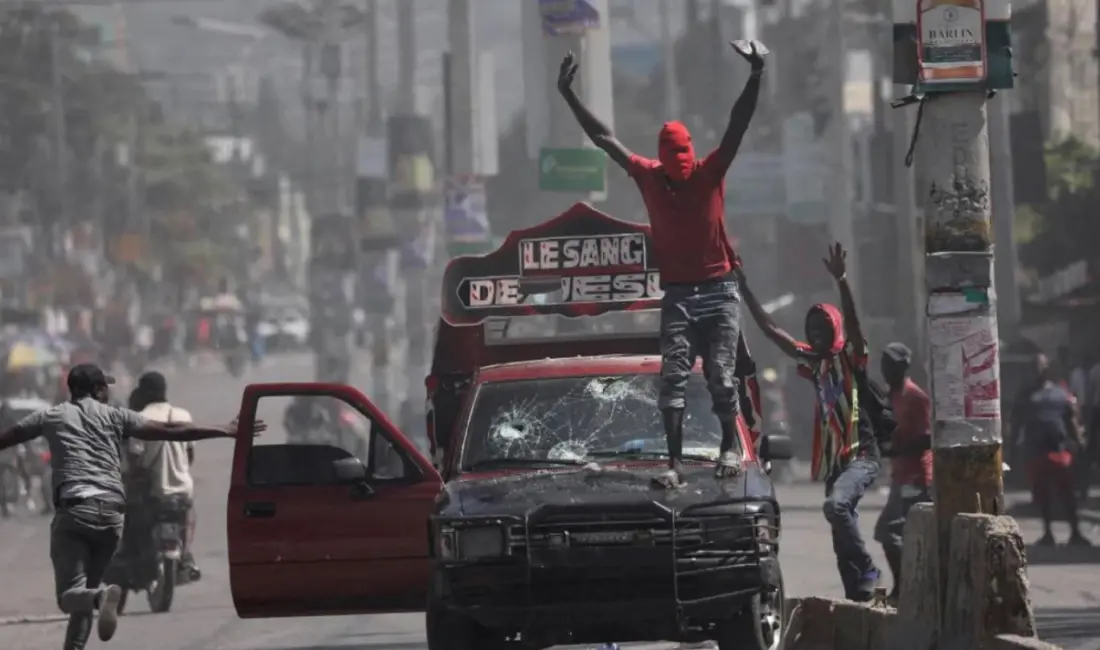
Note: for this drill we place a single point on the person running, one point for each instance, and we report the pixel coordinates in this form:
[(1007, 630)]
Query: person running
[(166, 463), (910, 455), (845, 453), (1047, 426), (685, 201), (85, 435)]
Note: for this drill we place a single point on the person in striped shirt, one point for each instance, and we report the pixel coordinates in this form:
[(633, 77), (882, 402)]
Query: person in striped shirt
[(846, 456)]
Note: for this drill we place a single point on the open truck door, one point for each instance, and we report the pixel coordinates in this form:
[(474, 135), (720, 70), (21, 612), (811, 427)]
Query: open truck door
[(330, 524)]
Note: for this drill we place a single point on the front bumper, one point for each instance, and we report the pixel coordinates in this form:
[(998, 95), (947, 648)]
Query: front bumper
[(561, 572)]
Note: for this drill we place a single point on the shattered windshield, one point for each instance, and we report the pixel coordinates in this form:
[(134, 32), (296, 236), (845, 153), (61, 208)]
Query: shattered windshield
[(574, 419)]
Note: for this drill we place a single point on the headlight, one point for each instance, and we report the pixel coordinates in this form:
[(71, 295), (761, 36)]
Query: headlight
[(726, 531), (767, 533), (471, 543)]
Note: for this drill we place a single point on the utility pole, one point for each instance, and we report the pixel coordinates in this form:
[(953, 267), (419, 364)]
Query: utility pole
[(1004, 212), (375, 286), (961, 317), (668, 44), (60, 140), (910, 304), (838, 135)]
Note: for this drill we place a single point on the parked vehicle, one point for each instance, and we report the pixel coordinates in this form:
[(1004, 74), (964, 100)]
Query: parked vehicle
[(543, 524)]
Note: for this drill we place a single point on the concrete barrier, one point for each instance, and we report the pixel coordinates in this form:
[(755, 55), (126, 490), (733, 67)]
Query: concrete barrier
[(985, 605), (832, 624)]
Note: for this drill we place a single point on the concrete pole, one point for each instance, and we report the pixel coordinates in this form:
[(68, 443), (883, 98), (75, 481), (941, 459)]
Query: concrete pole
[(61, 149), (961, 310), (1004, 212), (672, 82), (406, 57), (839, 190), (377, 263)]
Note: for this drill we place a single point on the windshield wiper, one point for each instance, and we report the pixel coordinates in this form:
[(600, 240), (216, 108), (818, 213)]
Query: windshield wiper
[(491, 463), (638, 455)]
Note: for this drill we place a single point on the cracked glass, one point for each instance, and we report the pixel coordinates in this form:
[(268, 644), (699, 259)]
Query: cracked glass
[(574, 420)]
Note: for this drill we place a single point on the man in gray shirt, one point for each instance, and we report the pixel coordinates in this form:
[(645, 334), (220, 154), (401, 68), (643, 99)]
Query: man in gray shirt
[(85, 437)]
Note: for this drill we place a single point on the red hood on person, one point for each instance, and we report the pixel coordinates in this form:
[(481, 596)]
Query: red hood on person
[(836, 321), (675, 150)]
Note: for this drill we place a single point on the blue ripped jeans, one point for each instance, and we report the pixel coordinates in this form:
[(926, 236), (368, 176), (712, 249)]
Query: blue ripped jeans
[(701, 320)]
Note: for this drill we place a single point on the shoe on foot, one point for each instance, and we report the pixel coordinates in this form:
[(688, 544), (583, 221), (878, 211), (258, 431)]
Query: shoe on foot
[(1046, 540), (108, 612), (865, 588), (670, 479), (729, 464)]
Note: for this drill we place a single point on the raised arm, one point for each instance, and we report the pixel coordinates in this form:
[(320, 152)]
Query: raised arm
[(743, 109), (836, 263), (593, 127), (784, 341)]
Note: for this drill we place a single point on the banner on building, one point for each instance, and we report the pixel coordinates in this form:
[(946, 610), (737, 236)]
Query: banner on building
[(568, 17)]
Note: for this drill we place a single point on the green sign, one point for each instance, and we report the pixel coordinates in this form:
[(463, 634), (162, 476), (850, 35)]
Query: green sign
[(572, 170)]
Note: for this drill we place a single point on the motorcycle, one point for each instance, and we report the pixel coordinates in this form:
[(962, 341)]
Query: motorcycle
[(151, 558)]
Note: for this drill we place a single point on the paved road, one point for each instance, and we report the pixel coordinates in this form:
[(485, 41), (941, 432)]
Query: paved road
[(1067, 595)]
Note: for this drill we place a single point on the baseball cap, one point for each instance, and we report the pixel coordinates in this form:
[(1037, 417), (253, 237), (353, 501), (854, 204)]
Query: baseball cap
[(898, 352), (86, 377)]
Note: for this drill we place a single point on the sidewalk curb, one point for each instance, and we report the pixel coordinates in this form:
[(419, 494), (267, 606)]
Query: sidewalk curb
[(32, 619)]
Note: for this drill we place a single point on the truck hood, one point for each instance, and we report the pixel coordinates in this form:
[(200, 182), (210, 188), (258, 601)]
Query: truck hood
[(516, 494)]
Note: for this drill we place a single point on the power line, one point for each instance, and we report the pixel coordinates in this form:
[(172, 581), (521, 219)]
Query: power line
[(18, 4)]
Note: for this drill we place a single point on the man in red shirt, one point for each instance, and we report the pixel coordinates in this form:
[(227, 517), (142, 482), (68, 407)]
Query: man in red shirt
[(910, 454), (700, 311)]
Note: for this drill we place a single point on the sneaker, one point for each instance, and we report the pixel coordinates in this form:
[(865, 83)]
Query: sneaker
[(108, 612), (729, 464), (1046, 540), (865, 588)]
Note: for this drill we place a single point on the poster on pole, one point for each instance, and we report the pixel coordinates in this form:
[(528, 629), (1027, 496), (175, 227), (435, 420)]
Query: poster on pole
[(951, 44), (965, 367)]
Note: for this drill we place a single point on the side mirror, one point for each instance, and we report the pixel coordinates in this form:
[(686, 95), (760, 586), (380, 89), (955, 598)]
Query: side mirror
[(349, 471), (776, 447)]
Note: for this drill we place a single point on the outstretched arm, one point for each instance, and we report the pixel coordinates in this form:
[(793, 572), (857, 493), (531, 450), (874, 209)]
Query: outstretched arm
[(25, 430), (180, 432), (777, 335), (599, 133)]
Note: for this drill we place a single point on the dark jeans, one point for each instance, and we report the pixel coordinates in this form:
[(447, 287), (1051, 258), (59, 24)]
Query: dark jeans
[(843, 492), (83, 537), (890, 527), (701, 320)]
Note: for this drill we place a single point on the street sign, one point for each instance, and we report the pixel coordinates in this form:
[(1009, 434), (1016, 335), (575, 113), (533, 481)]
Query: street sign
[(951, 45), (465, 215), (560, 17), (756, 185), (575, 170)]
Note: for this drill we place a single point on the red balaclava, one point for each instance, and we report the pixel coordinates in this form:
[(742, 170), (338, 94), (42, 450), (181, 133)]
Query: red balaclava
[(675, 151)]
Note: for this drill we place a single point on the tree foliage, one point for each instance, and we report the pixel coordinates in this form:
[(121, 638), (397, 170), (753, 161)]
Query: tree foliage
[(104, 109), (1065, 227)]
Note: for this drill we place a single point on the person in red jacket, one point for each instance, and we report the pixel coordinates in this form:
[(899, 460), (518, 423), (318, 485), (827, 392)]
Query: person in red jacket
[(700, 311)]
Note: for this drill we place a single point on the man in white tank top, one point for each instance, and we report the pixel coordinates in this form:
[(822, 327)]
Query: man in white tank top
[(168, 464)]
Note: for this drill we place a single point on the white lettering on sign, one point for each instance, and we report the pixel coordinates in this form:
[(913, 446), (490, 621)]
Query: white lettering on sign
[(561, 253), (620, 287)]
